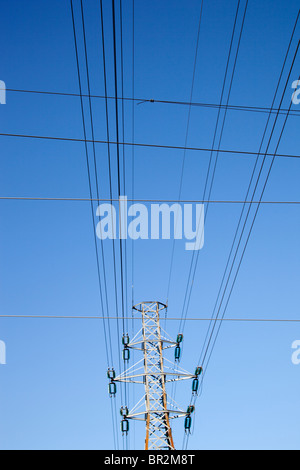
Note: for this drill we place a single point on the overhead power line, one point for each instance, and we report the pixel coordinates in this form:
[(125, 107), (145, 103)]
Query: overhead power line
[(136, 144), (253, 109)]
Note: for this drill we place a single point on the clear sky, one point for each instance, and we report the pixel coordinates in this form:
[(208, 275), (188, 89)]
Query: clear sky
[(53, 389)]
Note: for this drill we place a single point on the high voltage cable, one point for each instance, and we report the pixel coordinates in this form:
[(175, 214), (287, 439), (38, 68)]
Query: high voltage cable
[(109, 162), (124, 189), (109, 166), (253, 173), (191, 277), (217, 320), (255, 109), (118, 143), (133, 191), (133, 148), (244, 250), (174, 385), (93, 220), (136, 144), (110, 181), (186, 140), (255, 216), (123, 147), (268, 175), (94, 158), (222, 319), (89, 175), (118, 167)]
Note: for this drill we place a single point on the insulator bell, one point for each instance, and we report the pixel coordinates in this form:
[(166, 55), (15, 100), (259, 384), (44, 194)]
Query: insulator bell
[(124, 411), (177, 353), (191, 409), (125, 340), (112, 389), (195, 386), (125, 426), (111, 374), (126, 354), (179, 339), (188, 424)]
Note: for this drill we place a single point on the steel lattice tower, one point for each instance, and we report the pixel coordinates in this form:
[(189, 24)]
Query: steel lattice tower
[(158, 429), (154, 372)]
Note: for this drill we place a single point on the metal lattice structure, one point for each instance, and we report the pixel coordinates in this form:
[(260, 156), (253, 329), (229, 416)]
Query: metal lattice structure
[(154, 371)]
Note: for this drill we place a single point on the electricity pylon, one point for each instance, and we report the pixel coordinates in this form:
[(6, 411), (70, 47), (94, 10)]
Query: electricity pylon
[(154, 372)]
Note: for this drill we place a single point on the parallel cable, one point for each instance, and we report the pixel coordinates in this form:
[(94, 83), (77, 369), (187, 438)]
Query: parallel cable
[(109, 164), (252, 177), (251, 228), (133, 190), (186, 140), (218, 320), (118, 168), (95, 160), (174, 384), (92, 211)]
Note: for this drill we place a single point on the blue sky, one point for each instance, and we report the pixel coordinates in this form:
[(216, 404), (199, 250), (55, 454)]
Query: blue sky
[(53, 392)]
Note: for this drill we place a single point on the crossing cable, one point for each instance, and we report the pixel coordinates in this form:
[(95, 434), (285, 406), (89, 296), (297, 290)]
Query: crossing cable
[(195, 257), (252, 179), (108, 346), (254, 109), (137, 144)]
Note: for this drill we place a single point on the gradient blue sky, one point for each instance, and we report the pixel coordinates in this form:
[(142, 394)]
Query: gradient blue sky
[(53, 390)]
